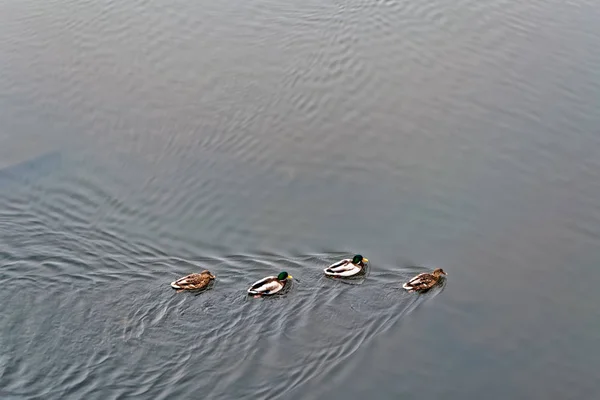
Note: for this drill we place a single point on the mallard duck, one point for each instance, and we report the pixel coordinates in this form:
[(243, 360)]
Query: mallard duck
[(424, 281), (269, 285), (193, 281), (347, 267)]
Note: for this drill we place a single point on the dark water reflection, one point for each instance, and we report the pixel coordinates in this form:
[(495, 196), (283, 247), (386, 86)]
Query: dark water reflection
[(141, 141)]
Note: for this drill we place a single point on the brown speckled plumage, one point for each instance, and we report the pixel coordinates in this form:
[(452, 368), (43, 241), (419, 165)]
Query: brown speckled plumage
[(424, 281), (193, 281)]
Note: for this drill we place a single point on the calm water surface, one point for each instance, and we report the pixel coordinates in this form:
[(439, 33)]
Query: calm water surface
[(141, 140)]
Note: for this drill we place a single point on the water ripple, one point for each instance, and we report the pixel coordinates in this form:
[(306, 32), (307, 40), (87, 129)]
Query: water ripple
[(117, 304)]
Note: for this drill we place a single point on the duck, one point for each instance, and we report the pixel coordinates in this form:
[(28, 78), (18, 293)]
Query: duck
[(347, 267), (269, 285), (424, 281), (193, 281)]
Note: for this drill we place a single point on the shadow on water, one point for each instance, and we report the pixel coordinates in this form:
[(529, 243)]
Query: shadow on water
[(27, 172), (88, 301)]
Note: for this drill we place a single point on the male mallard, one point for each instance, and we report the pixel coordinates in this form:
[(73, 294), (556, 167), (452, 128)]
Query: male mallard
[(269, 285), (193, 281), (347, 267), (424, 281)]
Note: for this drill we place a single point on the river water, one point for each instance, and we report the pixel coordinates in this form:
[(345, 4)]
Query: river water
[(144, 140)]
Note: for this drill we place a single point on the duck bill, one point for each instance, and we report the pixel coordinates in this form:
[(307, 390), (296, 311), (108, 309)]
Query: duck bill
[(365, 260), (289, 277)]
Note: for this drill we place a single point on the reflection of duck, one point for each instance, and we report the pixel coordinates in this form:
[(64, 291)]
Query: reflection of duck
[(347, 267), (424, 281), (269, 285), (193, 281)]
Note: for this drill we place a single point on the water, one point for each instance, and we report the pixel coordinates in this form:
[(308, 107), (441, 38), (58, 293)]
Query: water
[(141, 141)]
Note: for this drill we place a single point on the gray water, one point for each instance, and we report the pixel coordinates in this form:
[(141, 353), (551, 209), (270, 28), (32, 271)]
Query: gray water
[(144, 140)]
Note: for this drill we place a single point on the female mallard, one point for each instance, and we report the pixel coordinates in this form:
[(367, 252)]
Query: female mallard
[(193, 281), (347, 267), (424, 281), (269, 285)]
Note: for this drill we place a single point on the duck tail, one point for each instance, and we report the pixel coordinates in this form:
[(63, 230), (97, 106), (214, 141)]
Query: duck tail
[(407, 286), (174, 285)]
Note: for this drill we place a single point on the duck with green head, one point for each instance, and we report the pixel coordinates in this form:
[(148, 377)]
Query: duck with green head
[(347, 267), (270, 285)]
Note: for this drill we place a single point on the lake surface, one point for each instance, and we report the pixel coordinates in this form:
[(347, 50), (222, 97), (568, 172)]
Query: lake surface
[(144, 140)]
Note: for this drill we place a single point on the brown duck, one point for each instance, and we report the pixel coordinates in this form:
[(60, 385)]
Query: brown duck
[(424, 281), (193, 281)]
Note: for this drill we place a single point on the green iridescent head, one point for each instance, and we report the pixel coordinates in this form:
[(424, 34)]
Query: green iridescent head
[(283, 276), (358, 259)]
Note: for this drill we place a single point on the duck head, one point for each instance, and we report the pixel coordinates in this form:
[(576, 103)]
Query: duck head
[(207, 272), (358, 259), (283, 276), (438, 272)]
